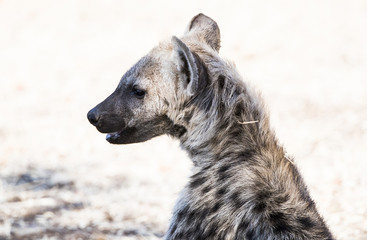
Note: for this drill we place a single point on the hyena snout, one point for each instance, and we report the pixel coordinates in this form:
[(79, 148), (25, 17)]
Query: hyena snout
[(105, 120)]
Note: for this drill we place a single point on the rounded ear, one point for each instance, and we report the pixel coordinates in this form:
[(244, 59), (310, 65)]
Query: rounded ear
[(187, 66), (205, 29)]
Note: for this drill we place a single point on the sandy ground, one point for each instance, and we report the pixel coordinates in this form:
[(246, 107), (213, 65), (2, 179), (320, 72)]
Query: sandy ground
[(59, 178)]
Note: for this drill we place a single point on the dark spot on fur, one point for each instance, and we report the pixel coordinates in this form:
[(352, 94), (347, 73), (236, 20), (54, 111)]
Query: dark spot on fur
[(236, 133), (177, 131), (260, 207), (166, 102), (236, 200), (244, 224), (179, 235), (279, 222), (191, 216), (262, 195), (196, 232), (281, 199), (245, 156), (223, 168), (198, 181), (221, 191), (242, 229), (251, 234), (221, 82), (206, 189), (193, 152), (310, 206), (216, 207), (198, 217), (248, 153), (306, 222), (182, 213), (223, 176), (205, 212), (282, 226), (239, 109)]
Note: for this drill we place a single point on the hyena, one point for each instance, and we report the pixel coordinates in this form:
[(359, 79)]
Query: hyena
[(243, 185)]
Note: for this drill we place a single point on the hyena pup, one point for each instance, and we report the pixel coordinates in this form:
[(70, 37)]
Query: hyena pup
[(243, 186)]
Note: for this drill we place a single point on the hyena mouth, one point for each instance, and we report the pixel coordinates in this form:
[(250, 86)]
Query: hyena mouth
[(124, 136), (118, 136), (112, 137)]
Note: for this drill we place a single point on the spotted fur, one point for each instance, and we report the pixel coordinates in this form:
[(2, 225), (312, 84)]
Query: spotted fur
[(243, 186)]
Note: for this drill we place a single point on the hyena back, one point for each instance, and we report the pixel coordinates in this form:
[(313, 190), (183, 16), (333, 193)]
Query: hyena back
[(243, 186)]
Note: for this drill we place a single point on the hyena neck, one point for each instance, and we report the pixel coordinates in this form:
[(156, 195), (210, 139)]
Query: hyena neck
[(227, 121)]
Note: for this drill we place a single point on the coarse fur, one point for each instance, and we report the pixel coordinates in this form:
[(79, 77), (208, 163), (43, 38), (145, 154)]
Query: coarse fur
[(243, 186)]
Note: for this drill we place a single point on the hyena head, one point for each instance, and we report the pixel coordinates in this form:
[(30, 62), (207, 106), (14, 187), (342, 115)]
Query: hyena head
[(150, 99)]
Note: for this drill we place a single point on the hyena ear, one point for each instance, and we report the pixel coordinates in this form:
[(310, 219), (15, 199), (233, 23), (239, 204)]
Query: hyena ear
[(187, 66), (205, 29)]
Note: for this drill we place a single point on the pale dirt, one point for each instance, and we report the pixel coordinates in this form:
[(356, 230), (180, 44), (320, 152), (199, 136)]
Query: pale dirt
[(61, 180)]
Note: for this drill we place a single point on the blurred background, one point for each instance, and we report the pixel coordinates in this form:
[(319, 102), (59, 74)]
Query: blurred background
[(60, 179)]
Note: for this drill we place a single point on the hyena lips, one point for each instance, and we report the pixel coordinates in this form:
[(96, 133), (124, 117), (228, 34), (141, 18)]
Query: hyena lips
[(243, 186)]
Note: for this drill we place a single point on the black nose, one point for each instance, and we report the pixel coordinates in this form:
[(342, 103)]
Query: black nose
[(93, 117)]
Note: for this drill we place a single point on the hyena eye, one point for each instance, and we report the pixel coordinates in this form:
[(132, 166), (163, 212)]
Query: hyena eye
[(138, 93)]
